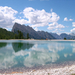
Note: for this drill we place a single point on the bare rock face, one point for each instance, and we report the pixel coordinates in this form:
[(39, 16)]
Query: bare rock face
[(32, 33)]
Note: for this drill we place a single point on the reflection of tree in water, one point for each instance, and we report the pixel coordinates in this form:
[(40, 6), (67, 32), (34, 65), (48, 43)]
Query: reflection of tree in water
[(2, 44), (21, 46)]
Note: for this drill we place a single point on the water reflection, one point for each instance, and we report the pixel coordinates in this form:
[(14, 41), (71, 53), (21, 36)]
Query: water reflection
[(33, 53), (2, 44), (40, 58), (21, 46)]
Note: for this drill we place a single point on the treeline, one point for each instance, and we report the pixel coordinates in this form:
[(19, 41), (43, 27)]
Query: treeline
[(4, 34)]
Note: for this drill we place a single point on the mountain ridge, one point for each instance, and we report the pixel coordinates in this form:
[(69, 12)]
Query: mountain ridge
[(32, 33), (39, 34)]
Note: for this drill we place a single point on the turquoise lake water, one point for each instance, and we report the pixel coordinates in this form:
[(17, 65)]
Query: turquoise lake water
[(33, 53)]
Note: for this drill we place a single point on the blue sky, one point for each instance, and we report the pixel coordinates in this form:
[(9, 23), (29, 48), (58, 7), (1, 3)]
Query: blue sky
[(56, 16)]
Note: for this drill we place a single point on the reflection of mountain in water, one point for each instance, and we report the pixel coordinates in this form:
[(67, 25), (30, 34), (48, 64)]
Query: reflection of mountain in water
[(21, 46), (2, 44)]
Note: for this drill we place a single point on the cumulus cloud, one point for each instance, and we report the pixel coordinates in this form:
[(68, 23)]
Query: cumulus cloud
[(33, 17), (21, 21), (65, 19), (51, 10), (7, 14), (73, 30), (73, 24), (70, 19), (42, 18), (55, 25)]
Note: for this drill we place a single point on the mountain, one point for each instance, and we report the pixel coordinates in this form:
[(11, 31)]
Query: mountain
[(32, 33), (45, 35), (56, 35), (63, 35), (67, 36)]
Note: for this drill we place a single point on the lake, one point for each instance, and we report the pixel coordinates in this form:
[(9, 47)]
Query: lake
[(28, 54)]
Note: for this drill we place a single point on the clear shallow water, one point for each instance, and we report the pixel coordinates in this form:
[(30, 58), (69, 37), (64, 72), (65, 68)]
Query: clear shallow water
[(29, 54)]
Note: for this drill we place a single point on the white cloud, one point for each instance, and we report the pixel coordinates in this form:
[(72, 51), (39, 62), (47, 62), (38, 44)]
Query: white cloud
[(55, 25), (60, 26), (35, 18), (73, 24), (40, 18), (65, 19), (7, 14), (73, 30), (36, 29), (21, 21), (70, 19), (51, 10)]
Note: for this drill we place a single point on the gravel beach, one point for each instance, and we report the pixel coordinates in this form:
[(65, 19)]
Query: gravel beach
[(68, 70)]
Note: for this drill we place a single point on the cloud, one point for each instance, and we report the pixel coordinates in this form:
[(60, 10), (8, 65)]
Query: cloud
[(39, 18), (55, 25), (33, 17), (70, 19), (73, 30), (65, 19), (7, 14), (73, 24), (51, 10), (36, 29), (21, 21)]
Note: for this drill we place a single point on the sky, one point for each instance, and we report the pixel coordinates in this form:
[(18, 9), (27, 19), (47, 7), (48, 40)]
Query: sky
[(56, 16)]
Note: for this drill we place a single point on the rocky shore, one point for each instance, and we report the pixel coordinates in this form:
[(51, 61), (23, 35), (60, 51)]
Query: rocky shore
[(68, 70)]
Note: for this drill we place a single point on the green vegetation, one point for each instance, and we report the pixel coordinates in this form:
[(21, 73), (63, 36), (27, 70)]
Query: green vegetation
[(64, 38), (2, 44), (4, 34), (27, 35), (20, 35)]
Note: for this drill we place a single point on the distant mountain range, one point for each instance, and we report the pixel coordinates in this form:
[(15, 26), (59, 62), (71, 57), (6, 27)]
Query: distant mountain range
[(63, 35), (32, 33), (39, 34)]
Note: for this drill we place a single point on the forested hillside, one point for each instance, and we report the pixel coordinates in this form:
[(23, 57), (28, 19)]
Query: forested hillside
[(4, 34)]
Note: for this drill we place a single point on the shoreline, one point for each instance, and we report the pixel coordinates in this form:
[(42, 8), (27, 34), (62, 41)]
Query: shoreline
[(40, 39), (67, 70)]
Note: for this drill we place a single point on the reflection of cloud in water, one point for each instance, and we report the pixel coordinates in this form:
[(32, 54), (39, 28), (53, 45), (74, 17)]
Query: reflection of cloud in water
[(73, 50), (39, 57), (73, 44), (55, 47), (36, 48), (66, 55), (35, 55), (73, 47), (6, 57)]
